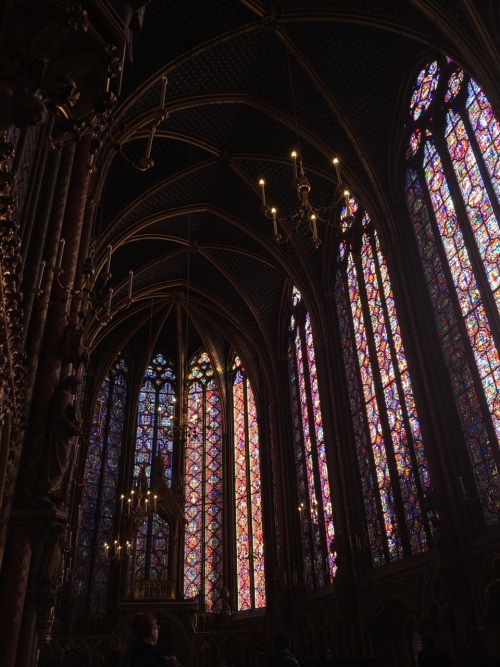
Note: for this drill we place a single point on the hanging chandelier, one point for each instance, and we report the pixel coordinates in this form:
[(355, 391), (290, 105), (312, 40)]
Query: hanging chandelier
[(308, 214)]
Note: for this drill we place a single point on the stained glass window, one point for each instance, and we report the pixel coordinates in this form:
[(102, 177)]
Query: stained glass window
[(248, 497), (453, 191), (100, 494), (154, 439), (203, 555), (391, 458), (313, 484)]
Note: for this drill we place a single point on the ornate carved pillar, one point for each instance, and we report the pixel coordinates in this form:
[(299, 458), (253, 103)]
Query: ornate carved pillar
[(12, 368), (51, 351), (13, 590), (35, 255)]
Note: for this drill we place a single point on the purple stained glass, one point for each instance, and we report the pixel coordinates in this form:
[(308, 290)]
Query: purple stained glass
[(313, 485), (193, 557), (373, 316), (375, 526), (414, 143), (154, 438), (472, 307), (378, 444), (454, 85), (486, 130), (99, 498), (425, 88), (203, 553), (248, 500), (479, 208), (473, 425), (320, 442)]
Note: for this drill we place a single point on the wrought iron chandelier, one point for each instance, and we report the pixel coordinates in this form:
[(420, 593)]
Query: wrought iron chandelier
[(307, 214)]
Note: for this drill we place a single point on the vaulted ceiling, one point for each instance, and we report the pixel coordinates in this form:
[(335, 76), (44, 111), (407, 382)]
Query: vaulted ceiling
[(248, 82)]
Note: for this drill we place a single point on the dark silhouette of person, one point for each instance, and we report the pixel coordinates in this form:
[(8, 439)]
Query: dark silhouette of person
[(282, 655), (433, 656), (143, 651)]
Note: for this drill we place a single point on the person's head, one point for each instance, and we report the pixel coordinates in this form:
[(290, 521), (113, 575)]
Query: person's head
[(282, 640), (145, 628)]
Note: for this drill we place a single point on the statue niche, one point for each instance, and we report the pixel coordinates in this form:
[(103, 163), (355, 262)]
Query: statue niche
[(65, 425)]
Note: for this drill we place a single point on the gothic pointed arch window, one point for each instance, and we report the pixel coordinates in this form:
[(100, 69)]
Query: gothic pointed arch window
[(391, 458), (203, 554), (154, 439), (250, 572), (313, 483), (453, 191), (100, 492)]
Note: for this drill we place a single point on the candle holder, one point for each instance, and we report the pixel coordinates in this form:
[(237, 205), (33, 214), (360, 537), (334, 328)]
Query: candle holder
[(139, 503), (308, 215), (118, 549), (88, 298), (158, 116)]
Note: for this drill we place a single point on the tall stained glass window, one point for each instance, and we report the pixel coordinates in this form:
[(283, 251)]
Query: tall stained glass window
[(100, 495), (154, 439), (203, 555), (453, 191), (313, 484), (248, 497), (390, 452)]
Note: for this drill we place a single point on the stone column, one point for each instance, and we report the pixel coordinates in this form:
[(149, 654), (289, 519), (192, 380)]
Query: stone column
[(13, 591)]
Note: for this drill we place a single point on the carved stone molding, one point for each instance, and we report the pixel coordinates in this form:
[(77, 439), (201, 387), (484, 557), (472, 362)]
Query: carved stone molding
[(12, 356)]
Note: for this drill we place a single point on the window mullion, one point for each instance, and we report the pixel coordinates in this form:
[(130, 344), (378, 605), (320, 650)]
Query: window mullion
[(249, 492), (371, 456), (320, 514), (98, 503), (301, 435), (469, 239), (399, 385), (483, 170), (471, 361), (380, 398)]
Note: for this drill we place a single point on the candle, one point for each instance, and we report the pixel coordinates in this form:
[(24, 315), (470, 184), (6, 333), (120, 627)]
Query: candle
[(347, 202), (108, 264), (62, 243), (122, 497), (275, 223), (163, 91), (129, 502), (462, 485), (154, 504), (130, 282), (152, 130), (262, 184), (314, 227), (40, 274), (294, 164), (337, 168), (108, 302)]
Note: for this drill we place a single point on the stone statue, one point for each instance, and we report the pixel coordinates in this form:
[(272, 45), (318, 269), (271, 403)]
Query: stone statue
[(64, 427)]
